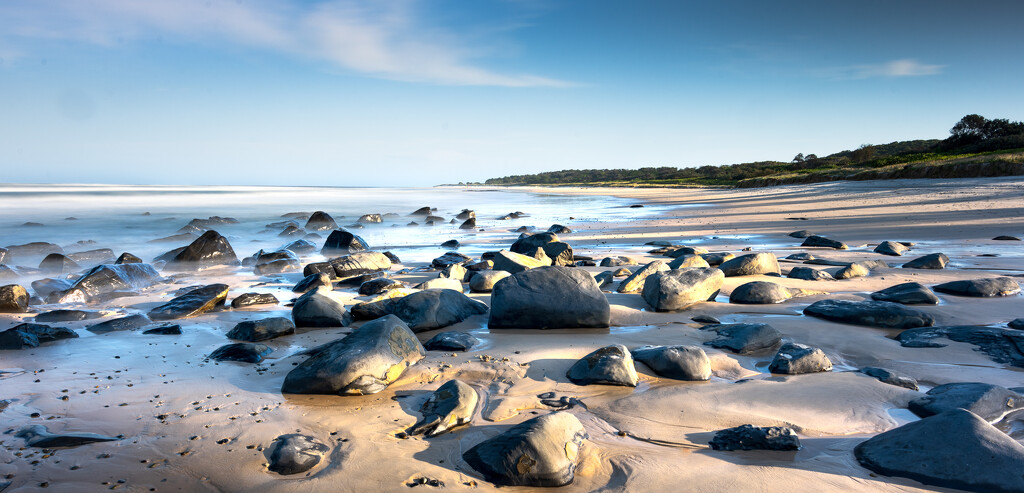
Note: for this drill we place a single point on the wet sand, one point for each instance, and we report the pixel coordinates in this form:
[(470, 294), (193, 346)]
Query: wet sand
[(190, 424)]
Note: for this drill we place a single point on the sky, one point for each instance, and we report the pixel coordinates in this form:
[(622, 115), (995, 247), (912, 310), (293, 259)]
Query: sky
[(419, 93)]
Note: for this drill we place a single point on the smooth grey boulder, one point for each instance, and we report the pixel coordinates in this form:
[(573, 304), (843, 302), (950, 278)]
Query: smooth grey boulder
[(750, 265), (435, 308), (342, 242), (450, 258), (450, 406), (320, 221), (483, 281), (980, 288), (512, 262), (796, 359), (750, 437), (930, 261), (856, 269), (821, 241), (909, 293), (38, 436), (210, 249), (681, 288), (890, 248), (890, 377), (809, 274), (294, 454), (954, 449), (760, 293), (635, 282), (610, 365), (364, 362), (13, 299), (262, 329), (193, 303), (103, 280), (130, 322), (317, 308), (543, 451), (689, 261), (441, 283), (312, 282), (28, 335), (989, 402), (34, 249), (358, 264), (378, 286), (744, 338), (244, 352), (251, 299), (548, 298), (604, 279), (689, 363), (1002, 345), (871, 313), (560, 253), (617, 261), (684, 251), (451, 341)]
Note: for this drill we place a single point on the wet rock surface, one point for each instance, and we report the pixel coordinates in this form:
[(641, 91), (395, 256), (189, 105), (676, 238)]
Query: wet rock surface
[(261, 330), (982, 288), (610, 365), (543, 451), (1002, 345), (548, 298), (989, 402), (910, 293), (38, 436), (795, 359), (318, 308), (28, 335), (451, 341), (435, 308), (13, 299), (677, 362), (129, 322), (253, 299), (450, 406), (750, 437), (680, 289), (295, 454), (871, 313), (244, 352), (192, 303), (930, 261), (744, 338), (890, 377)]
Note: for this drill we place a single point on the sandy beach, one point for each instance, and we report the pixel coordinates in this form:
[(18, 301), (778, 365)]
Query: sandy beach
[(187, 423)]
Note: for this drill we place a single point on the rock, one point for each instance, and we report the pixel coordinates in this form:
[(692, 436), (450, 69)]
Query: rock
[(909, 293), (454, 271), (809, 274), (684, 250), (35, 249), (890, 248), (513, 263), (193, 303), (13, 299), (1002, 345), (378, 286), (954, 449), (689, 262), (803, 233), (468, 224), (465, 214), (559, 229), (435, 308), (58, 263), (320, 221), (422, 211), (363, 362), (130, 322), (359, 263), (989, 402), (930, 261), (1006, 238), (294, 454), (751, 264), (261, 330), (982, 288), (796, 359), (38, 436), (559, 252), (604, 279), (682, 288), (3, 255), (802, 256), (393, 258), (750, 437), (610, 365), (705, 319), (450, 258), (548, 298), (127, 258), (689, 363), (871, 313), (103, 280), (1017, 323), (300, 247), (65, 315), (250, 299), (622, 272), (451, 341), (543, 452), (342, 242), (890, 377), (317, 308), (433, 219), (821, 241), (617, 261), (852, 270), (30, 335), (635, 282), (278, 266), (761, 293), (164, 330), (210, 249), (715, 258), (44, 287), (451, 405), (370, 219), (441, 283), (451, 244), (7, 273), (312, 282), (244, 352), (483, 281), (291, 230), (744, 338), (98, 255)]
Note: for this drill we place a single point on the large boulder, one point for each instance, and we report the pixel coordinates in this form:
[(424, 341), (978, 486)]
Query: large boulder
[(543, 451), (192, 303), (610, 365), (990, 402), (1002, 345), (909, 293), (981, 288), (435, 308), (512, 262), (890, 248), (795, 359), (677, 362), (210, 249), (342, 242), (262, 329), (635, 281), (761, 293), (320, 221), (13, 299), (560, 253), (871, 313), (930, 261), (451, 405), (364, 362), (548, 298), (318, 308), (294, 454), (750, 265), (750, 437), (103, 280), (744, 338), (821, 241), (25, 336), (681, 288), (360, 263), (954, 449)]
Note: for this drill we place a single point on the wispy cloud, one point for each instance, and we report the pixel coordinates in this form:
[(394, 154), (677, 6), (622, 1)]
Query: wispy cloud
[(386, 40), (906, 67)]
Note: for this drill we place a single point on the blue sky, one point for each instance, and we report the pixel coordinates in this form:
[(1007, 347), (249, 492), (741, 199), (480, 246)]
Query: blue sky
[(416, 93)]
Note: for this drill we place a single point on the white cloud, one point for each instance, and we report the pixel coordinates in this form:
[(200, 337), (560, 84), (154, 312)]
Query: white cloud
[(906, 67), (379, 39)]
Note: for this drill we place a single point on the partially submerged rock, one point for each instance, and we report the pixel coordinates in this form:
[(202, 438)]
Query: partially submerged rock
[(67, 315), (38, 436), (295, 453), (448, 407), (989, 402), (24, 336), (930, 261), (871, 313), (193, 303), (358, 264), (982, 288), (678, 362), (320, 221), (262, 329), (210, 249), (795, 359), (1002, 345), (909, 293), (821, 241), (543, 451), (548, 298), (103, 280), (890, 377), (682, 288), (610, 365), (890, 248), (450, 258), (750, 437), (342, 242), (130, 322), (245, 352), (744, 338)]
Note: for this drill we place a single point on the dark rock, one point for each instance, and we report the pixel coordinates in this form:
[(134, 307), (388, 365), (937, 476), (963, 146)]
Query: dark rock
[(393, 258), (750, 265), (548, 298), (317, 308), (250, 299), (35, 249), (363, 362), (559, 229), (435, 308), (890, 248), (99, 255), (617, 261), (610, 365), (319, 267), (998, 286), (795, 359), (210, 249), (717, 258), (342, 242), (43, 287), (422, 211), (890, 377), (684, 251), (291, 230), (450, 258), (825, 261), (130, 322), (705, 319), (261, 330), (678, 362), (543, 451), (750, 437), (451, 341), (559, 252), (164, 330), (809, 274), (193, 303), (105, 279), (380, 285), (483, 281), (29, 335), (320, 221), (356, 281), (930, 261), (65, 315), (313, 281), (1002, 345), (361, 263), (451, 405), (910, 293), (760, 293), (370, 310), (1006, 238), (279, 266), (38, 436), (13, 299), (803, 233), (430, 220), (744, 338), (635, 282), (127, 258), (450, 244), (871, 313), (954, 449), (802, 256), (1017, 323), (179, 238), (990, 402), (300, 247), (294, 454), (468, 224), (821, 241), (513, 263), (58, 263), (682, 288), (241, 351)]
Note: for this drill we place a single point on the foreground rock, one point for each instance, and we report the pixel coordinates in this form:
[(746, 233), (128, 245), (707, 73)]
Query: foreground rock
[(105, 280), (451, 341), (450, 258), (744, 338), (342, 242), (38, 436), (318, 308), (989, 402), (130, 322), (750, 265), (294, 454), (796, 359), (689, 363), (750, 437), (548, 298), (890, 377), (910, 293), (821, 241), (261, 330), (13, 299), (363, 362), (761, 293), (543, 451), (435, 308), (954, 449), (560, 253), (871, 313), (610, 365), (930, 261), (448, 407), (981, 288), (245, 352), (24, 336), (680, 289), (512, 262), (193, 303), (210, 249), (320, 221), (1002, 345)]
